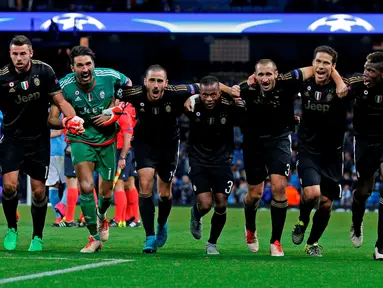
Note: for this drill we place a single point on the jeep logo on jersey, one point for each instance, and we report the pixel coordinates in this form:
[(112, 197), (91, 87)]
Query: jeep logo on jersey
[(91, 110), (317, 107), (24, 85), (24, 99)]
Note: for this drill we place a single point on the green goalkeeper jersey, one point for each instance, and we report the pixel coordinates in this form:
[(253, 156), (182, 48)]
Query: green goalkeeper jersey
[(91, 102)]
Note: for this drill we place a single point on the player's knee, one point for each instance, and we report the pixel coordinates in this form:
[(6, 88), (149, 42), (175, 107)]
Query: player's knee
[(325, 204), (38, 194), (311, 193), (220, 206), (220, 200), (146, 186), (255, 193), (165, 190), (204, 203), (86, 187), (9, 188), (278, 188)]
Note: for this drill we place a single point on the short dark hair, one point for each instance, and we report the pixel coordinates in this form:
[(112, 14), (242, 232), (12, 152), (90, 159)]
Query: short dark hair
[(20, 40), (80, 51), (377, 59), (328, 50), (209, 81), (155, 67), (265, 62)]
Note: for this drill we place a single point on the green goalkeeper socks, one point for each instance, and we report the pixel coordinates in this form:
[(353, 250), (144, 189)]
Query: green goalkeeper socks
[(88, 207), (103, 205)]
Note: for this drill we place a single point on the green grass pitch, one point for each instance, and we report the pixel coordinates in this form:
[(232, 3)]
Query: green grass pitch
[(182, 262)]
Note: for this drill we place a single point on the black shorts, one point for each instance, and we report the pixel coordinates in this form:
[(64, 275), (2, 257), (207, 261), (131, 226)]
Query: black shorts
[(324, 169), (211, 179), (130, 169), (68, 166), (29, 156), (265, 157), (163, 158), (368, 156)]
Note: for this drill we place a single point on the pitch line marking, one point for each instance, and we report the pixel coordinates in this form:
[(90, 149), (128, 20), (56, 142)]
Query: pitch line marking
[(63, 258), (62, 271)]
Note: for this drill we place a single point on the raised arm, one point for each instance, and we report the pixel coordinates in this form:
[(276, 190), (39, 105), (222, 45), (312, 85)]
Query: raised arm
[(341, 87)]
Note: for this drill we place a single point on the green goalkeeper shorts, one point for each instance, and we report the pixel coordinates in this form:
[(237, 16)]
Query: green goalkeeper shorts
[(104, 158)]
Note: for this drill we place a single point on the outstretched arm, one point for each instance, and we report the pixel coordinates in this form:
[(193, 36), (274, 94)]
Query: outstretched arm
[(54, 121)]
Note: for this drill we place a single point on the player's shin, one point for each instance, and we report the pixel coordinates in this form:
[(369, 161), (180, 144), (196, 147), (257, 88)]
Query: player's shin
[(250, 207), (10, 201), (217, 223), (39, 212), (88, 207), (308, 201), (278, 212), (320, 220), (147, 211), (359, 199), (103, 205), (105, 198), (164, 207)]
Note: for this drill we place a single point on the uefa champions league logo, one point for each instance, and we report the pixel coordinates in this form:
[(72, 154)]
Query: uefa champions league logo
[(68, 21), (342, 22)]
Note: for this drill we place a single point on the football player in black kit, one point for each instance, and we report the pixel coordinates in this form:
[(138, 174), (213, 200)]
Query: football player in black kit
[(156, 141), (211, 148), (267, 147), (27, 88), (367, 122), (320, 152)]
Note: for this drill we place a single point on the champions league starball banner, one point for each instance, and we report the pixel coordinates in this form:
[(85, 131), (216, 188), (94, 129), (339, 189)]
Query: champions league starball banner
[(233, 23)]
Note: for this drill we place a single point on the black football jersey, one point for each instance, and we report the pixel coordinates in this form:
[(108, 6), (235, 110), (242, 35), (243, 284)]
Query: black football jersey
[(25, 98)]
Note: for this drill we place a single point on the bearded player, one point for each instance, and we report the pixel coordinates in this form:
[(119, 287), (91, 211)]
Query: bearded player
[(27, 87), (91, 92)]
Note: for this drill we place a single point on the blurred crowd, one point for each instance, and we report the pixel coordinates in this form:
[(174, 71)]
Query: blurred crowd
[(349, 6)]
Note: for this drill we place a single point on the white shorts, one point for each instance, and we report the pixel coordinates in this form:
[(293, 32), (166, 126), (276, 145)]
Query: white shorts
[(56, 171)]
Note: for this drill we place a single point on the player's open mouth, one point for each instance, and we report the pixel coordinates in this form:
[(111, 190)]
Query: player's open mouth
[(85, 76), (156, 93), (321, 74), (265, 85), (367, 82)]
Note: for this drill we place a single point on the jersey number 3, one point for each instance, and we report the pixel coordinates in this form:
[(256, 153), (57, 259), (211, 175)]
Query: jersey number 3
[(229, 187)]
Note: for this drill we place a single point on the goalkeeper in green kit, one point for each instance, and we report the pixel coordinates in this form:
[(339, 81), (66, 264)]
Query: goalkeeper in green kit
[(91, 92)]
